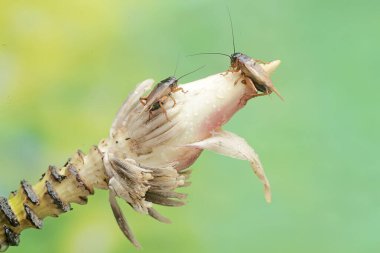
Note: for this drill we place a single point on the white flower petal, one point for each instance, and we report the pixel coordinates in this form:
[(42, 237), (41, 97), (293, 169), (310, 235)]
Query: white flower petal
[(229, 144), (130, 104)]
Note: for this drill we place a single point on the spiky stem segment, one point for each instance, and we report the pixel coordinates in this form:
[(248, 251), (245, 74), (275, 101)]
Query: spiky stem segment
[(51, 195)]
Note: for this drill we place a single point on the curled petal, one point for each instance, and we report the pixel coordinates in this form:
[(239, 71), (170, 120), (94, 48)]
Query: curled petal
[(229, 144)]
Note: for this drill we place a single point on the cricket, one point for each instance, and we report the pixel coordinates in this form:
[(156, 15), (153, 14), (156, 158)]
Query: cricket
[(252, 73), (162, 92)]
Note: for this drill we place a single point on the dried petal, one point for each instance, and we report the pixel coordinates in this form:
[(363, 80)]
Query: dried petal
[(121, 221)]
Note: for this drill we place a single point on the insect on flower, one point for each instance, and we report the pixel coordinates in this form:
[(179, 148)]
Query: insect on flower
[(252, 73), (162, 92), (142, 162)]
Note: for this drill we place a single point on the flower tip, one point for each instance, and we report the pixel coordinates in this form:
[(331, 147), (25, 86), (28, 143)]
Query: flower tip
[(137, 245), (270, 67), (268, 194), (268, 198)]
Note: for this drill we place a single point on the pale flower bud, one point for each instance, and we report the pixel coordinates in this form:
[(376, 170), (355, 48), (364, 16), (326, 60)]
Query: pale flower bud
[(147, 153)]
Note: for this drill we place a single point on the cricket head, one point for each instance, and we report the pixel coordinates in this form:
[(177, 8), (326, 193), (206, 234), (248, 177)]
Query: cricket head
[(235, 59), (171, 81)]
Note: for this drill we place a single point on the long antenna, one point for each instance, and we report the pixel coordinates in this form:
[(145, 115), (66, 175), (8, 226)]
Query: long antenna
[(210, 53), (192, 71), (232, 28), (176, 65)]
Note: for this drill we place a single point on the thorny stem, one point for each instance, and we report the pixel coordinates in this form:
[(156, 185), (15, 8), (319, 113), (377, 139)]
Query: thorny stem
[(51, 195)]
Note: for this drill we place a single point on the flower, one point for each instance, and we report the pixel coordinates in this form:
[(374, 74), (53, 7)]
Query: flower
[(147, 153)]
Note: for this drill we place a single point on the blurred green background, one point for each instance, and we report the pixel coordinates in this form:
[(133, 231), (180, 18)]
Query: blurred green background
[(66, 67)]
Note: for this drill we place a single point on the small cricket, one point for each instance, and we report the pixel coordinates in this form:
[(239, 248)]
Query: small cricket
[(162, 92), (252, 73)]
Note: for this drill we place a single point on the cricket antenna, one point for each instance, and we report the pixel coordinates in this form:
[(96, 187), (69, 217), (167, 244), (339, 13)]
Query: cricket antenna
[(176, 65), (232, 28), (210, 53), (192, 72)]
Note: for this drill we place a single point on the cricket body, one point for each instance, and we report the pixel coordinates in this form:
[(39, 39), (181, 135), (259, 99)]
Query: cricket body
[(251, 70), (253, 74), (160, 94)]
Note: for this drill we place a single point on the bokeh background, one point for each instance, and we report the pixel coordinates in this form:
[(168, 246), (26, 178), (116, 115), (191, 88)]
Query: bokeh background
[(66, 67)]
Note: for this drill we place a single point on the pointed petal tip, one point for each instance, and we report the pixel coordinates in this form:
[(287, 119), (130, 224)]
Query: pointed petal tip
[(156, 215), (137, 245), (268, 197), (270, 67), (168, 221), (267, 192)]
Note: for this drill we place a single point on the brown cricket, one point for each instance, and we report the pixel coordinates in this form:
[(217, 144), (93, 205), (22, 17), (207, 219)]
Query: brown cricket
[(252, 73), (161, 93)]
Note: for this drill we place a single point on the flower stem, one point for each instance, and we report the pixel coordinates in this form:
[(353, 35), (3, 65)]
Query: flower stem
[(52, 195)]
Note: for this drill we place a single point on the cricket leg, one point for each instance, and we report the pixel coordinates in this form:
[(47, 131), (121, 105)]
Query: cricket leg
[(150, 115), (242, 77), (179, 89), (164, 110), (230, 70), (143, 100), (251, 85), (170, 95)]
